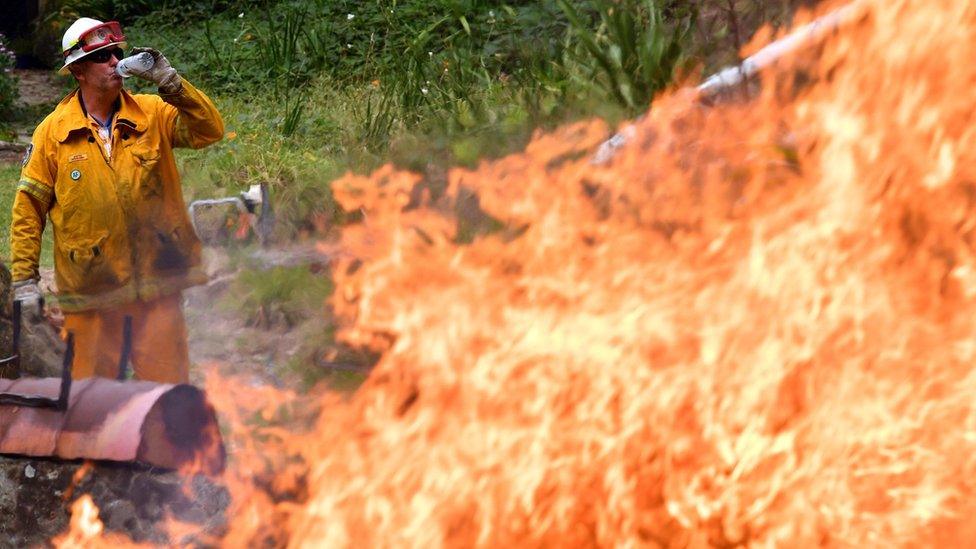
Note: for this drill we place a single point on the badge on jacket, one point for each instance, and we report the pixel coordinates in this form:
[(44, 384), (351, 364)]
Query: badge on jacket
[(27, 155), (75, 175)]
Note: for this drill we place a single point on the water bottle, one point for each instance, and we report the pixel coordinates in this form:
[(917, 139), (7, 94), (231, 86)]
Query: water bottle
[(138, 62)]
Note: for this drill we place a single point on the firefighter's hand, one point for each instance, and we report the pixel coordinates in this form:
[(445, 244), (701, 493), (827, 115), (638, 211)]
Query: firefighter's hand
[(29, 295), (161, 73)]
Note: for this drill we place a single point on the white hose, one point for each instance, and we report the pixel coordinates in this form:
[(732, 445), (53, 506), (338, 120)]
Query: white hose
[(730, 77)]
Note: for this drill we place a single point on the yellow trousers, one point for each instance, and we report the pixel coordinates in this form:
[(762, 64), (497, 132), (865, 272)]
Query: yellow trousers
[(159, 349)]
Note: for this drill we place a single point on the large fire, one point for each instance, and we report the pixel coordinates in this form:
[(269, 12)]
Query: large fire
[(754, 325)]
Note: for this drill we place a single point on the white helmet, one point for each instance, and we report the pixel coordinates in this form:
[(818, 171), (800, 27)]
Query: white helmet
[(88, 35)]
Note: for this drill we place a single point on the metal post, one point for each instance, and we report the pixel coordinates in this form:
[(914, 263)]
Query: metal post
[(69, 358), (16, 343), (126, 347)]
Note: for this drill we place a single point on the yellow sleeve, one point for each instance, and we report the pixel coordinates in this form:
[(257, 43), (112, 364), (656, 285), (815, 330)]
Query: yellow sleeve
[(35, 194), (192, 118)]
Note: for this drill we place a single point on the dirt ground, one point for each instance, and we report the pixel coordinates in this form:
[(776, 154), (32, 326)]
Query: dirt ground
[(223, 337), (37, 87)]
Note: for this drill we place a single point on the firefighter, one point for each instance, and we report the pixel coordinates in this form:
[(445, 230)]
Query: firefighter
[(101, 169)]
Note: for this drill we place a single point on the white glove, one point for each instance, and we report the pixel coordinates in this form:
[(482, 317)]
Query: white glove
[(161, 73), (29, 296)]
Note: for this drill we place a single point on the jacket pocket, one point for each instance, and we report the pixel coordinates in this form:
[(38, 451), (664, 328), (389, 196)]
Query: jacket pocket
[(148, 180), (84, 267)]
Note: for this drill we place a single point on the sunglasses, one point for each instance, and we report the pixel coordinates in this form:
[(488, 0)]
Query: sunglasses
[(102, 56)]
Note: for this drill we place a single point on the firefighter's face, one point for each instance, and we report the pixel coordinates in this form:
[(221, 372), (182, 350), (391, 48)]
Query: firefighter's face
[(97, 70)]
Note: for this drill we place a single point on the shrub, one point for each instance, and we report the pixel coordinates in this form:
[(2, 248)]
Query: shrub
[(8, 84), (630, 49), (127, 11)]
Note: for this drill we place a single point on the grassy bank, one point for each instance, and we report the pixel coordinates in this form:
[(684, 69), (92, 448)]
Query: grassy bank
[(312, 89)]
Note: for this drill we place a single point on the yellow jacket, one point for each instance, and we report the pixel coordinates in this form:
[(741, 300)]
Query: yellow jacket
[(121, 230)]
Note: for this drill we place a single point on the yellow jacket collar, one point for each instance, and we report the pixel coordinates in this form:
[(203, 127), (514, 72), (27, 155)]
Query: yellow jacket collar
[(72, 116)]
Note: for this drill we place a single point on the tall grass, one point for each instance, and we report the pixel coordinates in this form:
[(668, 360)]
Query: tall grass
[(313, 87), (633, 51), (441, 66), (127, 11)]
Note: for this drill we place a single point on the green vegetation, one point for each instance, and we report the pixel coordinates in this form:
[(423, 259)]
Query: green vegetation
[(8, 87), (635, 49), (279, 295), (312, 88), (294, 298), (9, 175)]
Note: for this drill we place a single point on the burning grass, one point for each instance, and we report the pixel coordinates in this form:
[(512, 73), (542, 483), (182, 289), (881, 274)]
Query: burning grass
[(753, 326)]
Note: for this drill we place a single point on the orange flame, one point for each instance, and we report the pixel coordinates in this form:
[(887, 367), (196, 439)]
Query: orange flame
[(752, 326), (86, 530)]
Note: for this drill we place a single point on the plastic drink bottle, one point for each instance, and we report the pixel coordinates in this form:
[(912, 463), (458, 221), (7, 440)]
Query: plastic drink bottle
[(138, 62)]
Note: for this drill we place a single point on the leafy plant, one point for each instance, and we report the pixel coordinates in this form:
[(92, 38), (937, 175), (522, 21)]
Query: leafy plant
[(8, 83), (377, 122), (294, 105), (279, 48), (127, 11), (634, 49)]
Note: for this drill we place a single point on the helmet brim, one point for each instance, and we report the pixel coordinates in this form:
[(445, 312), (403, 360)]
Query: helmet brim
[(68, 60)]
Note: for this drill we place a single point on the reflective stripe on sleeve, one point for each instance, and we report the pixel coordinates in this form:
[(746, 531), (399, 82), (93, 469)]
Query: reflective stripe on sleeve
[(36, 189)]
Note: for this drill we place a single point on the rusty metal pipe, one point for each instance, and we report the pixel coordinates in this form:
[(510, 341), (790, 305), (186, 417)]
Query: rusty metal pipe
[(170, 426)]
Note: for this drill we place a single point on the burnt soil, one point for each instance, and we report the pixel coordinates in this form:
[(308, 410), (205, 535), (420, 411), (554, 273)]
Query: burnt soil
[(36, 497)]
